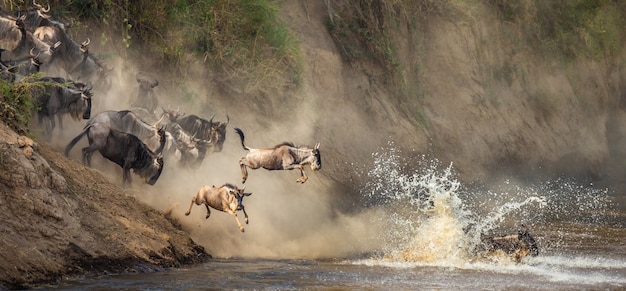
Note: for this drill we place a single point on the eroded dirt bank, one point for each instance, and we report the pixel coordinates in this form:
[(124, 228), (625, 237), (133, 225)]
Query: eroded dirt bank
[(61, 219)]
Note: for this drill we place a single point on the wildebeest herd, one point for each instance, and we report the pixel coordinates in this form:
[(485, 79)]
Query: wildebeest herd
[(32, 42)]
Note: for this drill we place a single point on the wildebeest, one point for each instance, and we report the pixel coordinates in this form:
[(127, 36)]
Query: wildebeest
[(227, 198), (17, 42), (37, 16), (146, 97), (518, 245), (128, 122), (124, 149), (74, 59), (192, 150), (284, 156), (205, 129), (15, 71), (56, 96)]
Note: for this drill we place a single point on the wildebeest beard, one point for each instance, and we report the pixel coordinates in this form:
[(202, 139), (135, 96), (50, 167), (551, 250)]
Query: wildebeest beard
[(148, 168)]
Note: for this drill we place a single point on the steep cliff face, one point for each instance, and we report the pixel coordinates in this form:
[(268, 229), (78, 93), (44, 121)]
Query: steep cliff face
[(488, 106), (60, 218)]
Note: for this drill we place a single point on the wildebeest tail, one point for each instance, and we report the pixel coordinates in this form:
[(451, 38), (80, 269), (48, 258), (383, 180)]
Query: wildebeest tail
[(69, 146), (240, 133)]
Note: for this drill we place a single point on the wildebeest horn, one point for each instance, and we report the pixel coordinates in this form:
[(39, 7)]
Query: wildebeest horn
[(317, 146), (159, 121), (227, 119), (40, 7), (211, 120), (55, 46), (32, 54)]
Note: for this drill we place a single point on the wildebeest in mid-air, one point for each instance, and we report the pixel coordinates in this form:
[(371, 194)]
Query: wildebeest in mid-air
[(226, 198), (124, 149), (284, 156)]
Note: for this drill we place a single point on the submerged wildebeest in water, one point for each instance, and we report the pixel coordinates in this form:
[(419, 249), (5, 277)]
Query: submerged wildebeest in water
[(517, 245), (124, 149), (284, 156), (227, 198)]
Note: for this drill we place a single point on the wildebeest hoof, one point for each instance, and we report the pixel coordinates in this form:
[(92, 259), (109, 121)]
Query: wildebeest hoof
[(242, 230), (187, 213), (207, 217)]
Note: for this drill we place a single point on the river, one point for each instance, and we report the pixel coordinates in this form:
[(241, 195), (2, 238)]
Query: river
[(432, 225)]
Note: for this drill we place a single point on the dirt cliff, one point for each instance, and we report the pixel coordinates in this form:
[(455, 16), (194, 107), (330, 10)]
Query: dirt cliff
[(61, 219)]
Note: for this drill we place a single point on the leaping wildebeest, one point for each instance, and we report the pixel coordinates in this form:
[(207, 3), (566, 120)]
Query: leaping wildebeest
[(284, 156), (124, 149), (226, 198)]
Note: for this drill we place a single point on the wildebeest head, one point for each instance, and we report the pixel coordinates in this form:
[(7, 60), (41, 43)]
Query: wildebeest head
[(86, 95), (171, 115), (152, 172), (218, 134), (237, 193), (316, 158), (156, 169)]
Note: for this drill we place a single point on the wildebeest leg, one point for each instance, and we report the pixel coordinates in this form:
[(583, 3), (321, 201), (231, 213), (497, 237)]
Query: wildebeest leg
[(245, 214), (87, 153), (126, 180), (233, 213), (60, 118), (244, 171), (208, 211), (303, 176), (193, 200)]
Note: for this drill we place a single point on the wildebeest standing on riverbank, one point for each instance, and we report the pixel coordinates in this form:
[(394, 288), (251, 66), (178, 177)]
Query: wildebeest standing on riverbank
[(124, 149)]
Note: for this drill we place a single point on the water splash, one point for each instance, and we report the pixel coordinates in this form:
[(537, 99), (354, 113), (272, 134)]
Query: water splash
[(428, 219)]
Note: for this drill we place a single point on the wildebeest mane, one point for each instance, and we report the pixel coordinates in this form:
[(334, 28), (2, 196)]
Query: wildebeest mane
[(285, 143), (139, 127), (10, 34)]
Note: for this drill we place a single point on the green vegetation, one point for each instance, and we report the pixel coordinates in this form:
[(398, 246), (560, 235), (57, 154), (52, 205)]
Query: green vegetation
[(16, 104), (567, 29), (243, 40)]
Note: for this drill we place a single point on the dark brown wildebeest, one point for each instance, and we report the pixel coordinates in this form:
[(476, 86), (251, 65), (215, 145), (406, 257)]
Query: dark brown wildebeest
[(205, 129), (284, 156), (227, 198), (518, 245), (124, 149), (55, 96)]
